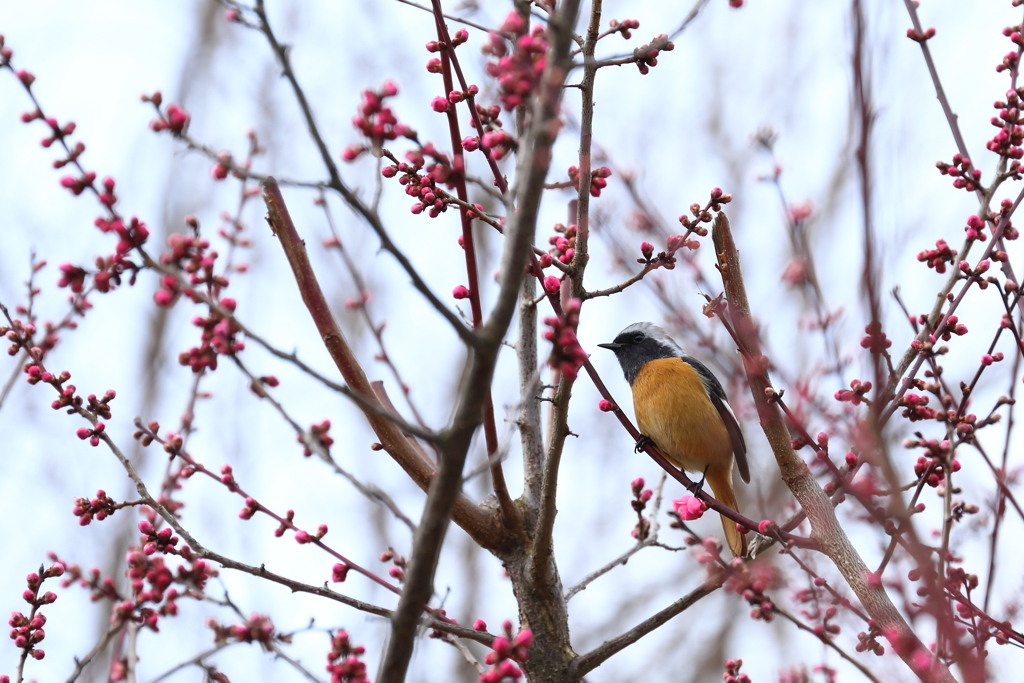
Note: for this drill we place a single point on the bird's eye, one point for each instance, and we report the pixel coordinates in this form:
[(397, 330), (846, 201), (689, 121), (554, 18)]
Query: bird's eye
[(638, 337)]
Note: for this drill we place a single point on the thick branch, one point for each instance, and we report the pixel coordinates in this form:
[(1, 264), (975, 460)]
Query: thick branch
[(481, 524), (825, 527)]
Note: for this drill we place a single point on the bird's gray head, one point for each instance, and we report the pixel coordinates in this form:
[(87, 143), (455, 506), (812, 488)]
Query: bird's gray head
[(639, 344)]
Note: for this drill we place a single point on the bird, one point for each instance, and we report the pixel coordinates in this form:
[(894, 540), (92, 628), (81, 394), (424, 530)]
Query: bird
[(682, 408)]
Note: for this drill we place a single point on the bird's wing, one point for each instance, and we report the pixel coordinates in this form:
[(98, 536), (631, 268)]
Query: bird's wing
[(718, 398)]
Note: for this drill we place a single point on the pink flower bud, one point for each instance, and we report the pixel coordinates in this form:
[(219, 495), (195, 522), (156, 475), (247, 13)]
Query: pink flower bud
[(439, 104), (523, 639), (605, 406), (551, 284), (460, 292), (352, 152)]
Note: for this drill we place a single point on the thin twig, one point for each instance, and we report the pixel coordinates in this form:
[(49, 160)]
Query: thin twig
[(584, 664), (826, 641)]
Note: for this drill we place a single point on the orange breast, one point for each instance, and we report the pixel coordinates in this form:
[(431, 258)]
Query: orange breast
[(673, 410)]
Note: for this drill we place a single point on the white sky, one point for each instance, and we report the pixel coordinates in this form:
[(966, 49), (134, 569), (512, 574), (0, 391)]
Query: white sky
[(684, 128)]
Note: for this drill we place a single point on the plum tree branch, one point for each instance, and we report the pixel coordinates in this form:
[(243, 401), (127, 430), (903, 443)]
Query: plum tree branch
[(825, 527), (480, 523)]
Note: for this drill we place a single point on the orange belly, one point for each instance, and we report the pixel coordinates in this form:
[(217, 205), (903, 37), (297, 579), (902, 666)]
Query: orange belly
[(673, 410)]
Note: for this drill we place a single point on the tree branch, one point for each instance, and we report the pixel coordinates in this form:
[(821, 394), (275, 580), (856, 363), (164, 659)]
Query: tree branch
[(584, 664), (479, 523), (825, 527)]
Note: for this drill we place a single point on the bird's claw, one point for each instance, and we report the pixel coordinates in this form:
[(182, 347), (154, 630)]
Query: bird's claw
[(642, 443)]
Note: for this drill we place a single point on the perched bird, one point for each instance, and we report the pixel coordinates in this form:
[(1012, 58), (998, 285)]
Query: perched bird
[(681, 406)]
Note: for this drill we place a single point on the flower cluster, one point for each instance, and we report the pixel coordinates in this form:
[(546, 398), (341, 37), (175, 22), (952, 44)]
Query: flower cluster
[(915, 407), (938, 257), (641, 497), (218, 338), (751, 580), (933, 462), (732, 672), (174, 118), (377, 122), (258, 628), (151, 580), (875, 340), (646, 56), (597, 179), (317, 432), (665, 259), (1007, 142), (189, 254), (964, 175), (27, 631), (867, 641), (518, 73), (563, 244), (920, 36), (506, 652), (397, 572), (424, 186), (567, 356), (343, 660), (100, 507), (624, 27), (495, 142), (855, 394)]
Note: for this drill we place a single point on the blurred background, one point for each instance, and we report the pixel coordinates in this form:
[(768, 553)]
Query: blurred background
[(769, 69)]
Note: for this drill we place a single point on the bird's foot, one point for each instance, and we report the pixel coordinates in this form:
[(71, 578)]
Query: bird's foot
[(642, 443), (700, 484)]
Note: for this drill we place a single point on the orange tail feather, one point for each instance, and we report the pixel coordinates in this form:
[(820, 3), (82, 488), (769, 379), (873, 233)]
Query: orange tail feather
[(721, 485)]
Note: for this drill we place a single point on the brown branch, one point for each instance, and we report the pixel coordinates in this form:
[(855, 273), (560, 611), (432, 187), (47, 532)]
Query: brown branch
[(479, 523), (583, 664), (586, 86), (529, 420), (622, 285), (510, 513), (533, 163), (825, 527), (534, 160)]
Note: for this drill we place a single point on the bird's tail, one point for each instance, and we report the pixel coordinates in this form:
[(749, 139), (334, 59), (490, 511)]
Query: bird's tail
[(721, 485)]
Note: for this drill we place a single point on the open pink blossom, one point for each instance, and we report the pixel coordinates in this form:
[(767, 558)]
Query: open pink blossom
[(689, 508)]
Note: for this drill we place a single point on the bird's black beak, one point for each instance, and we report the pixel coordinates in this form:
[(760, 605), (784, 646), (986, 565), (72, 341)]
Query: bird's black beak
[(612, 346)]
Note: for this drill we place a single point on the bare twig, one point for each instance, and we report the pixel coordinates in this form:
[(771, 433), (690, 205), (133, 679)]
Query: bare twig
[(97, 649), (314, 444), (583, 664), (826, 641)]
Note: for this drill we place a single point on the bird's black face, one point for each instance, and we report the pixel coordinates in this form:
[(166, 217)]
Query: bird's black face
[(634, 347)]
